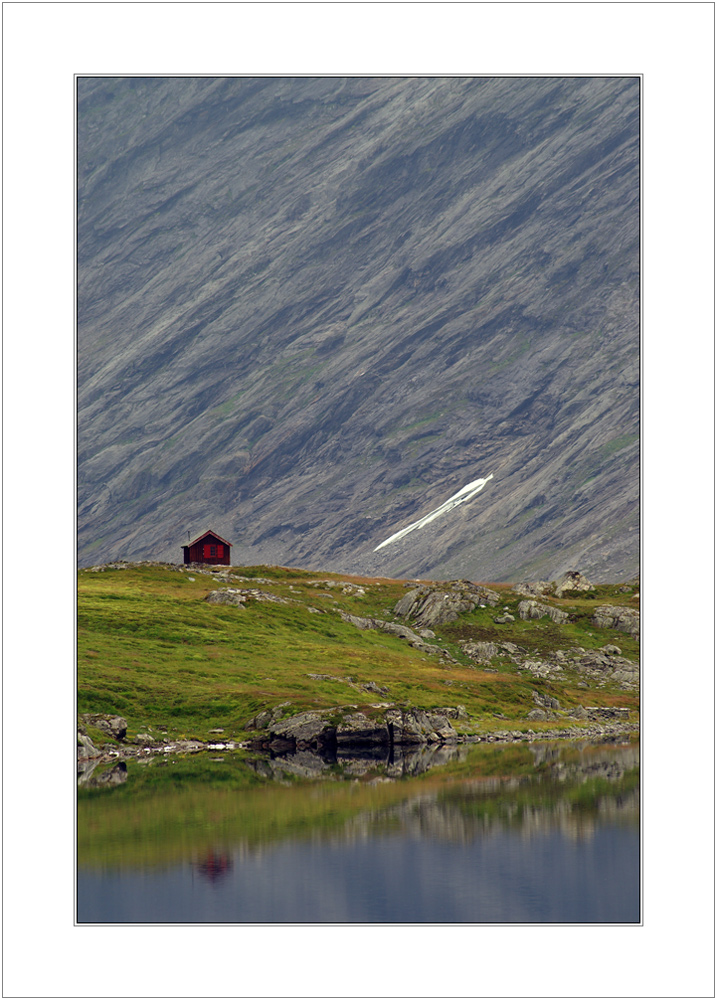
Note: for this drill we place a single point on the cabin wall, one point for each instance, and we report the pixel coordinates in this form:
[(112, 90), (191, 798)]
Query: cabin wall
[(202, 552)]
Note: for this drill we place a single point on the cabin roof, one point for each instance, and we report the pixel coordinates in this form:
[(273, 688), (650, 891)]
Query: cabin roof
[(204, 535)]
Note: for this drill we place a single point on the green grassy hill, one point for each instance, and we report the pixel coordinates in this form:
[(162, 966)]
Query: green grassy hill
[(152, 649)]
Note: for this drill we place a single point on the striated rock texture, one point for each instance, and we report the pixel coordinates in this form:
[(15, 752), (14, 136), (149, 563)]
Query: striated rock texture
[(311, 310), (428, 606), (623, 619), (529, 610)]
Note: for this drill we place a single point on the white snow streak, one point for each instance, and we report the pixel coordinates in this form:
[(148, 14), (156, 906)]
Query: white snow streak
[(462, 496)]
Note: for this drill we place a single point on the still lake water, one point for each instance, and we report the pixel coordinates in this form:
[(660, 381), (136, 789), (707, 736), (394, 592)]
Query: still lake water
[(518, 834)]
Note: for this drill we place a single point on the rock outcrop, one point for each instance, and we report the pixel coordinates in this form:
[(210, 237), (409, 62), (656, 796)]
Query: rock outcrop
[(529, 610), (572, 581), (113, 725), (623, 619), (431, 606), (238, 597), (402, 631), (348, 726)]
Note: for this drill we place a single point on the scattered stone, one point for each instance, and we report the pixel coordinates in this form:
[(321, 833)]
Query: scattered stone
[(402, 631), (239, 598), (504, 619), (376, 688), (598, 713)]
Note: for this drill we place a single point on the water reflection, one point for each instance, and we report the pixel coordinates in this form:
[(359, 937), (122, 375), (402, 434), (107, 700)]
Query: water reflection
[(214, 865), (520, 833)]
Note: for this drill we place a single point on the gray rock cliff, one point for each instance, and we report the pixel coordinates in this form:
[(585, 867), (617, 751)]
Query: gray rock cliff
[(311, 310)]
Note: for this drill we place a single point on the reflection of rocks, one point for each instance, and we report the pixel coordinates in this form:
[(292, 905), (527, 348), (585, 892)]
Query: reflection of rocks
[(116, 775), (392, 762), (608, 762), (531, 804)]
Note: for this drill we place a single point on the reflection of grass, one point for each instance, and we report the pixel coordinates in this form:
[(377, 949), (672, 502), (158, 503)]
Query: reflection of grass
[(583, 796), (178, 809)]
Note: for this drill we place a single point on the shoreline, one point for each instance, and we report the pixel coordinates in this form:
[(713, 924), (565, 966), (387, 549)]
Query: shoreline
[(590, 734)]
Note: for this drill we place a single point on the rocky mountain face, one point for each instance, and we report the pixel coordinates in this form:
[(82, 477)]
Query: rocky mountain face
[(312, 310)]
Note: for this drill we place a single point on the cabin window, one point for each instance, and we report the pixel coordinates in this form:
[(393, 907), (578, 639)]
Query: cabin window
[(213, 551), (220, 551)]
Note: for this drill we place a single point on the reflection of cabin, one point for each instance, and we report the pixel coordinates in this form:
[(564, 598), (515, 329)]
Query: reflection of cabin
[(208, 548)]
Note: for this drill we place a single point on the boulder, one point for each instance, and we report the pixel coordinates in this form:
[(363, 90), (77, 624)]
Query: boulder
[(86, 749), (357, 728), (481, 652), (265, 719), (413, 725), (113, 725), (504, 619), (236, 598), (348, 726), (620, 618), (310, 728), (541, 588), (572, 580), (429, 606), (545, 700), (529, 610)]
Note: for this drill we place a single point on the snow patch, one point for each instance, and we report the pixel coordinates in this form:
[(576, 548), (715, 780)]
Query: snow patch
[(462, 496)]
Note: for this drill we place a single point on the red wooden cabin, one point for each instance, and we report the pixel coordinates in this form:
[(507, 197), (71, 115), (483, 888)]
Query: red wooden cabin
[(208, 548)]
